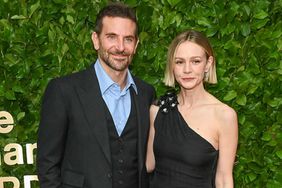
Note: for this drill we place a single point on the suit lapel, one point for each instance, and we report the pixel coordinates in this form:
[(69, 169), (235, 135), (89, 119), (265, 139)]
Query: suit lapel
[(142, 109), (94, 109), (93, 104), (140, 106)]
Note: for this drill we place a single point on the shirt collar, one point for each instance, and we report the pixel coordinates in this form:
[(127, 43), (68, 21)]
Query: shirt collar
[(105, 82)]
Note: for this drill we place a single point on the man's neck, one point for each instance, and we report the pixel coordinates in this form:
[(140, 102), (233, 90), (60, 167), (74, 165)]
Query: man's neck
[(119, 77)]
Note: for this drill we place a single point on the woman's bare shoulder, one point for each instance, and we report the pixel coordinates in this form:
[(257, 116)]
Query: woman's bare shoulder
[(222, 110), (226, 116), (226, 111)]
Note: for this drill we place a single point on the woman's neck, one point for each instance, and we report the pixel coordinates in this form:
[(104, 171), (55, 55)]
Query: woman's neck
[(191, 98)]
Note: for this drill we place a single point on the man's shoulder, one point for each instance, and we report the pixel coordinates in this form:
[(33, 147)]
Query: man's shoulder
[(80, 78), (75, 76), (145, 89), (141, 83)]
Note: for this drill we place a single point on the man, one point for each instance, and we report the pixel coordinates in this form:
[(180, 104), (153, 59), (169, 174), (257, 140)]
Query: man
[(94, 124)]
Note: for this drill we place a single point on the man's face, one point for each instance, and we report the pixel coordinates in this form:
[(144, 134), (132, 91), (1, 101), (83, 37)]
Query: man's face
[(116, 43)]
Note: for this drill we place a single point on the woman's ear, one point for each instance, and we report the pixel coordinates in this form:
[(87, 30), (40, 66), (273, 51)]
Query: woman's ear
[(95, 40), (210, 61)]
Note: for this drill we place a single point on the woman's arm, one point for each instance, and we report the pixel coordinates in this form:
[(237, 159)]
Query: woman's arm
[(150, 158), (228, 139)]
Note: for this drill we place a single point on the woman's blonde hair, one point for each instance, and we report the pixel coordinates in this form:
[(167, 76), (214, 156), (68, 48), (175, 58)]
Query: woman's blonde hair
[(201, 40)]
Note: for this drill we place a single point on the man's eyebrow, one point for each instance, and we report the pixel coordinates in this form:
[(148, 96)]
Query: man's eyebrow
[(110, 34)]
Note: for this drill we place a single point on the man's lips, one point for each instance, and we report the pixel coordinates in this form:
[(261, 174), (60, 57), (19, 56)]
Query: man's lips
[(120, 56)]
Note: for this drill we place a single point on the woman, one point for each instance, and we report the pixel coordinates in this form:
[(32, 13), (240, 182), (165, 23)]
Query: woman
[(193, 136)]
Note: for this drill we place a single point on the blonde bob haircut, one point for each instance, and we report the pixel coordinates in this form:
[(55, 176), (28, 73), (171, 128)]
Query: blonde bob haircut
[(201, 40)]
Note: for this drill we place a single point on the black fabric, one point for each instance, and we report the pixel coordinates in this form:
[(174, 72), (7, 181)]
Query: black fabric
[(73, 139), (124, 151), (183, 158)]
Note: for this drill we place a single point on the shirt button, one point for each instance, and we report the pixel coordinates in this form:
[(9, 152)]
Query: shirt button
[(120, 161), (120, 182)]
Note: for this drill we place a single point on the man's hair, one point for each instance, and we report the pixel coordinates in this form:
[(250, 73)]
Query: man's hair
[(115, 10), (197, 38)]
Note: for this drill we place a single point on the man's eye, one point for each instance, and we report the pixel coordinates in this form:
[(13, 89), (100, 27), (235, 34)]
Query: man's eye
[(129, 39), (111, 37)]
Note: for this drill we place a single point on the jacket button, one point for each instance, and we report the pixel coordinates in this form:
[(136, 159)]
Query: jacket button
[(120, 182), (120, 161), (109, 175)]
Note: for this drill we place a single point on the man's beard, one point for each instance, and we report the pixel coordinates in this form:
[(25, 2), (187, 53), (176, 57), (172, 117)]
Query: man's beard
[(117, 64)]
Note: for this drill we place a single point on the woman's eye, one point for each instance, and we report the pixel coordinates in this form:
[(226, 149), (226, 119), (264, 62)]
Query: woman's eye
[(196, 62), (178, 62)]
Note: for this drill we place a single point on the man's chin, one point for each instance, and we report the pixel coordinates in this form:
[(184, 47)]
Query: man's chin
[(121, 61), (116, 66)]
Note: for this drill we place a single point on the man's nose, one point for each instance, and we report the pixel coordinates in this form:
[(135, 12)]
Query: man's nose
[(120, 45)]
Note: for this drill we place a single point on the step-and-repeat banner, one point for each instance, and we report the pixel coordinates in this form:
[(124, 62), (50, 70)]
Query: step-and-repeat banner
[(14, 154)]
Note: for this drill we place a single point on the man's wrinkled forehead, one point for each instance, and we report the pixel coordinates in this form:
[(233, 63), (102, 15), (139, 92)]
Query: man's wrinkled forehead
[(119, 24)]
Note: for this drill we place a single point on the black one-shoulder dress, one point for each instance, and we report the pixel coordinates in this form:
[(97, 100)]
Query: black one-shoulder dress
[(184, 159)]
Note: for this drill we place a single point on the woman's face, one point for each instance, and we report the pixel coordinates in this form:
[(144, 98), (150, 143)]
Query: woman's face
[(190, 64)]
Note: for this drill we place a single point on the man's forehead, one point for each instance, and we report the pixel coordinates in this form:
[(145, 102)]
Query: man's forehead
[(118, 25)]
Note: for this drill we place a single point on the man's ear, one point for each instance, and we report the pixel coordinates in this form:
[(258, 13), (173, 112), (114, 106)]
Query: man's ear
[(136, 45), (95, 40)]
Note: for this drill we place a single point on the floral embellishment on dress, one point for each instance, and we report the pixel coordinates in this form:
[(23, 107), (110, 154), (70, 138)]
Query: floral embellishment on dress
[(167, 102)]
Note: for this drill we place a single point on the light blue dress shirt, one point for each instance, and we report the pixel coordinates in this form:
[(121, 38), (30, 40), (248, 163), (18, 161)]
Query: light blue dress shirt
[(118, 101)]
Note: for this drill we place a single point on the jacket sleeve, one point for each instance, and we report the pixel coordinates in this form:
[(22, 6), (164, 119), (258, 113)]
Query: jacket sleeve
[(51, 136)]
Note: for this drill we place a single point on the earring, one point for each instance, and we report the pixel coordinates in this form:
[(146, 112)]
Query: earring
[(206, 76)]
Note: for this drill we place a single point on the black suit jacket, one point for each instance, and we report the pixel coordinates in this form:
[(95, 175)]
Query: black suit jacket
[(73, 143)]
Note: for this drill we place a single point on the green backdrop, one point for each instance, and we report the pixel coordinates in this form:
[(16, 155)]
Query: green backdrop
[(43, 39)]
